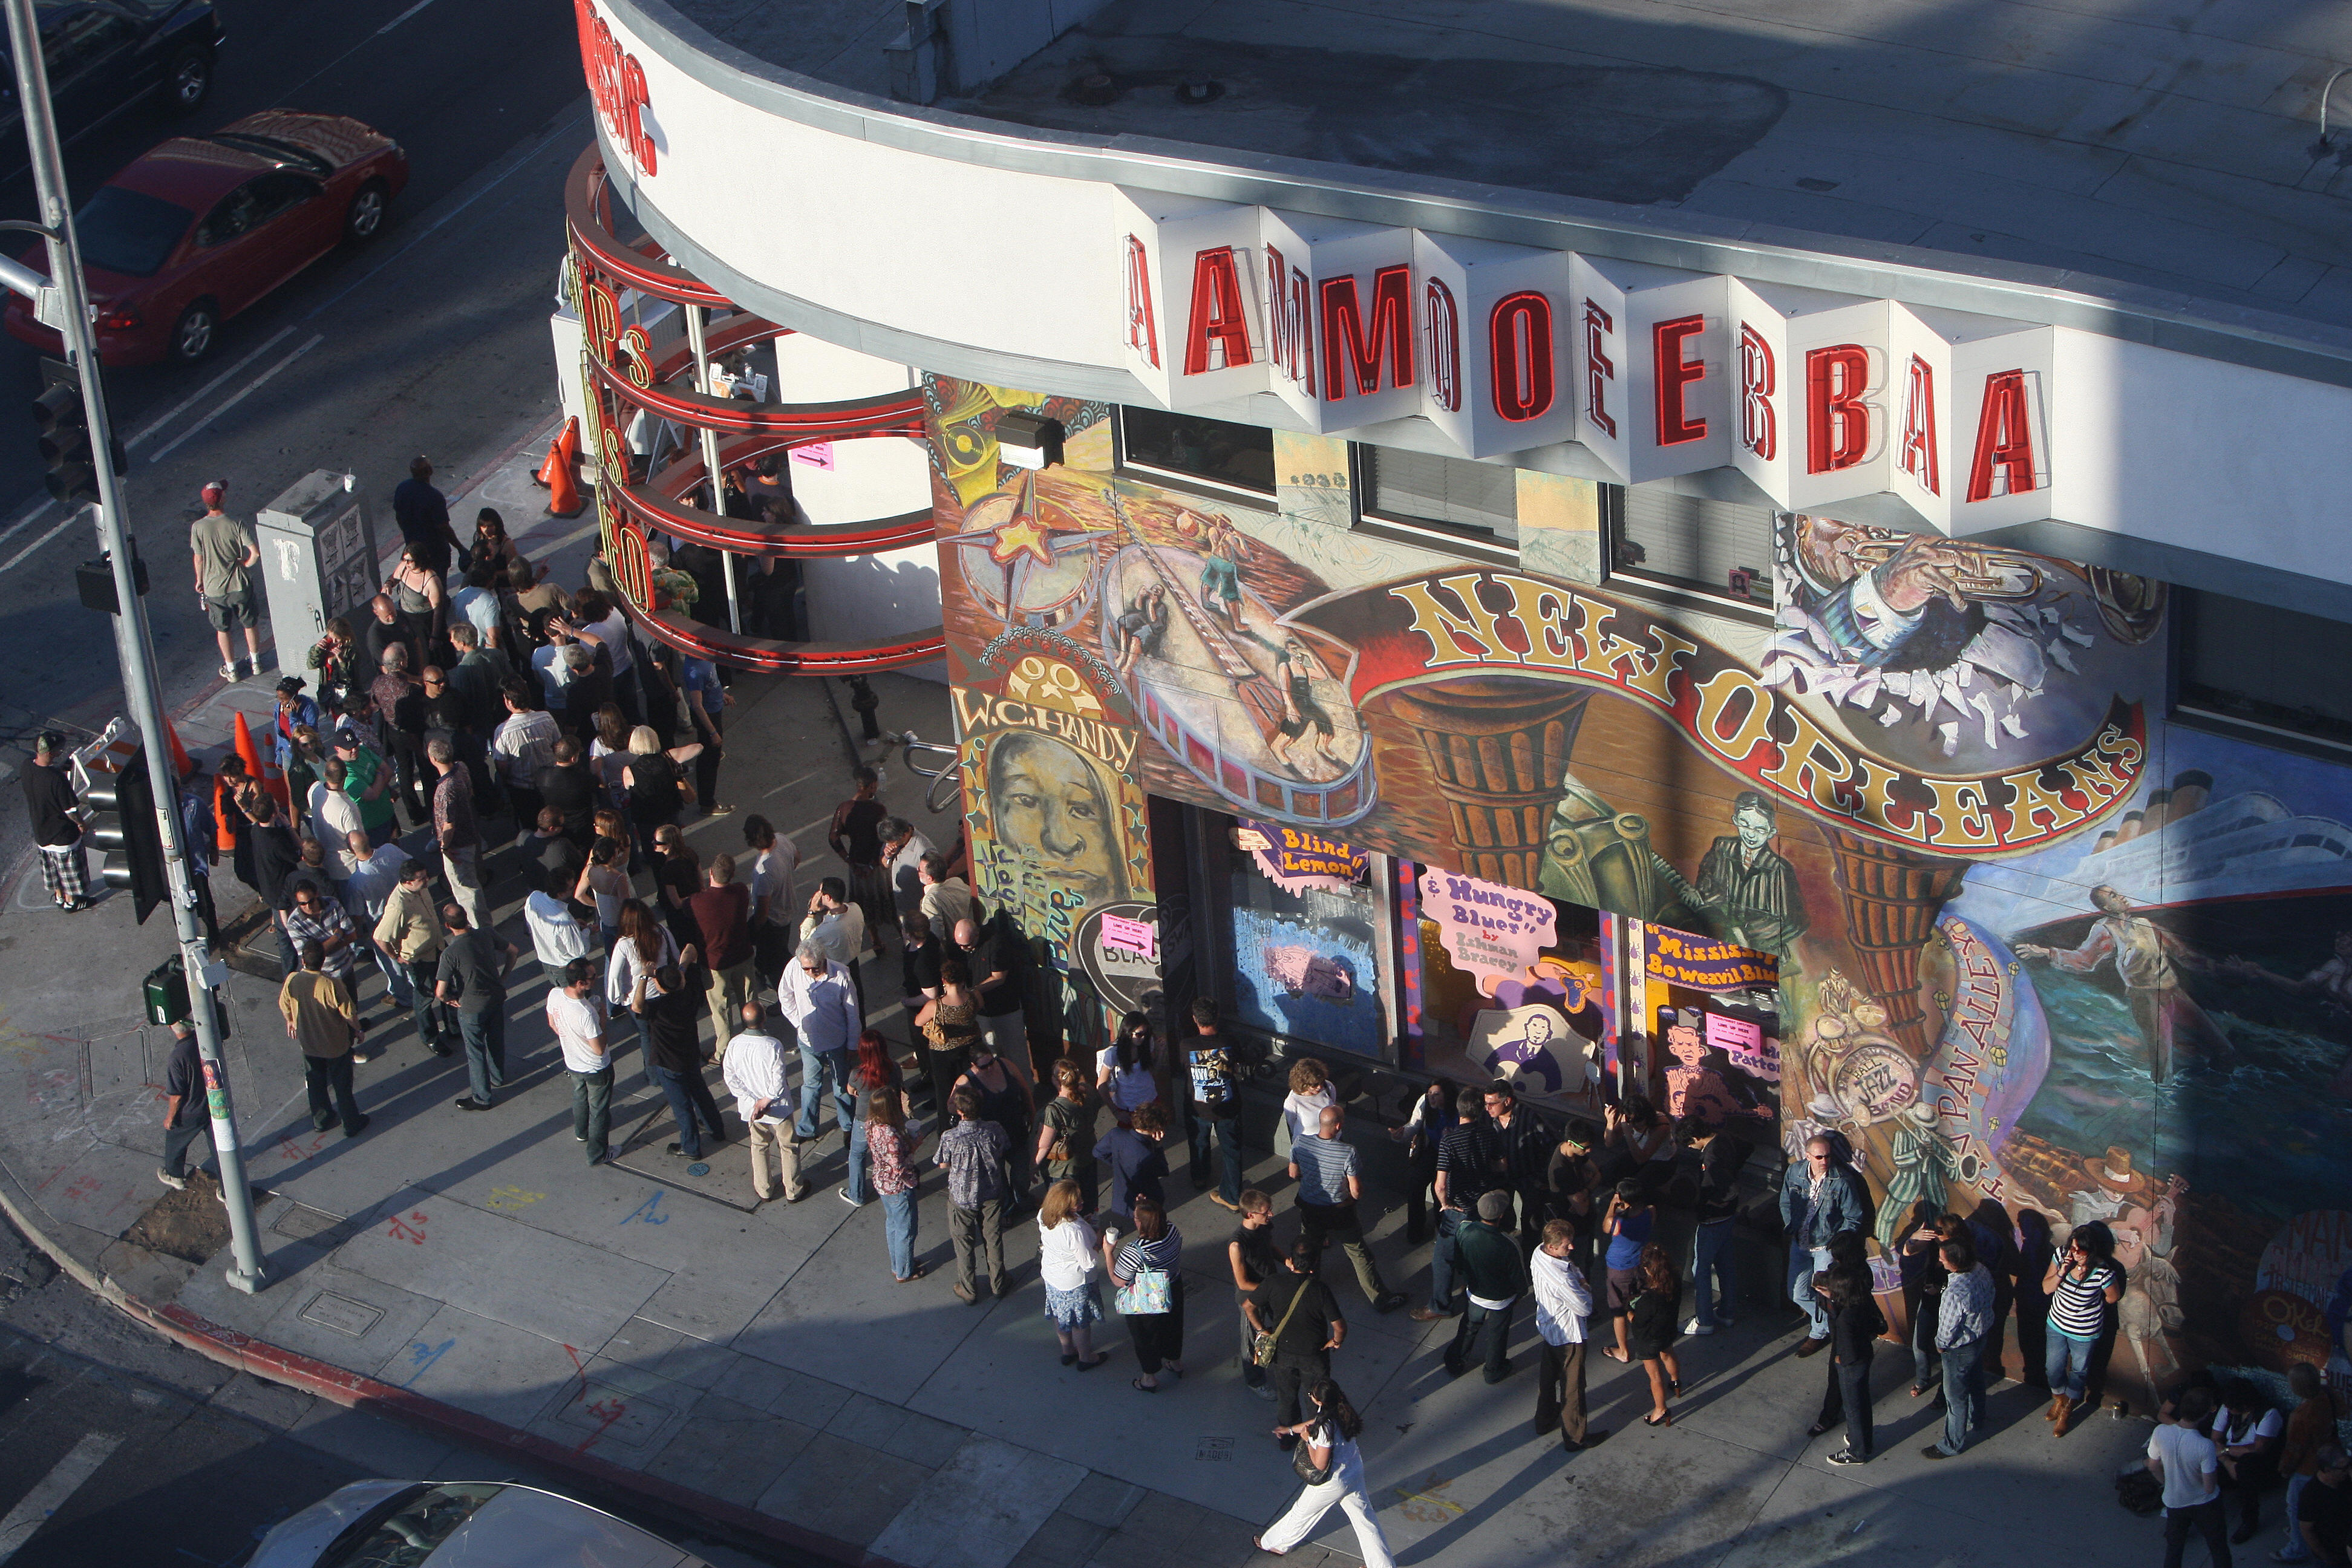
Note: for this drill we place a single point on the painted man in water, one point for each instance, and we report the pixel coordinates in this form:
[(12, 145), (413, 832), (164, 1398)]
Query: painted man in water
[(2147, 960)]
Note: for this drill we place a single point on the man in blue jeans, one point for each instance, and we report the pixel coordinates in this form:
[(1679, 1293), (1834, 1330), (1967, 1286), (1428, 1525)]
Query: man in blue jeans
[(1470, 1164), (1720, 1156), (1819, 1199), (1960, 1333), (817, 996), (1211, 1107), (471, 980)]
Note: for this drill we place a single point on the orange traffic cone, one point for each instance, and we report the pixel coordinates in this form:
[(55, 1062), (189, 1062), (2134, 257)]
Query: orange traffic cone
[(560, 473), (183, 764), (258, 766)]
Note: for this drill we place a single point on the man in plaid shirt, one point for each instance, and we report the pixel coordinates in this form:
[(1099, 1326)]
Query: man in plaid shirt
[(973, 1151), (314, 918)]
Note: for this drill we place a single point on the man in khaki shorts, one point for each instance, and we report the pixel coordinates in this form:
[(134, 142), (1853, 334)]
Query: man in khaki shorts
[(224, 553)]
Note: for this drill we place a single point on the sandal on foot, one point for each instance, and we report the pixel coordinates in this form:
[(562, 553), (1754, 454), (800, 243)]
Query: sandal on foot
[(1090, 1365), (1617, 1356), (1140, 1386)]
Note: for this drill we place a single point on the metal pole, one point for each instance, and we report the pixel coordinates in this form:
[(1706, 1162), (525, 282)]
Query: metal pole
[(133, 640), (698, 338)]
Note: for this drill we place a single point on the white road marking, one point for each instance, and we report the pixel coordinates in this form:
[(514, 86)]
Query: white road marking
[(71, 519), (215, 385), (52, 1491), (793, 785), (25, 519), (396, 21), (160, 453)]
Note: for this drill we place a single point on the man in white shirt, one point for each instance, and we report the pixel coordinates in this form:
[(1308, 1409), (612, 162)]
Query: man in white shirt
[(557, 935), (835, 924), (376, 872), (945, 900), (819, 1001), (754, 1070), (2189, 1463), (1563, 1301), (523, 743), (576, 1015), (334, 817), (903, 850)]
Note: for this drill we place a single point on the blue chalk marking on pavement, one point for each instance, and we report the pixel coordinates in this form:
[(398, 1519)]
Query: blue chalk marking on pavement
[(421, 1357), (648, 1211)]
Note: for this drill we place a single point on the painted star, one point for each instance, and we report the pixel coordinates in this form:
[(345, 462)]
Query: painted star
[(1024, 536)]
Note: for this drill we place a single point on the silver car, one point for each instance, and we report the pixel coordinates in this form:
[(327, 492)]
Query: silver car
[(459, 1524)]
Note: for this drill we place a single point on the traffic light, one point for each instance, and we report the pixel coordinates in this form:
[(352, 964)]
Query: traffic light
[(121, 808), (62, 420)]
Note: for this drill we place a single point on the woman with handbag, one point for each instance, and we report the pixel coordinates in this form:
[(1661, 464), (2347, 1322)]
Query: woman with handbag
[(1065, 1132), (1066, 1264), (1327, 1461), (1151, 1297)]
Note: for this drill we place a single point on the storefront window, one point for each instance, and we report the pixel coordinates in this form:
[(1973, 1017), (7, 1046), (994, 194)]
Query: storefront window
[(1306, 951), (1478, 502), (1718, 549), (1204, 451), (2270, 669), (1533, 1017)]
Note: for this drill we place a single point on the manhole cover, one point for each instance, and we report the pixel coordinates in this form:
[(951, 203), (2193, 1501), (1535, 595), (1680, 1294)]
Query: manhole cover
[(698, 1169), (343, 1314)]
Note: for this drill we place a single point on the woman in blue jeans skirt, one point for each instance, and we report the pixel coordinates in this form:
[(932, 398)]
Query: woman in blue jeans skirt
[(874, 1070), (891, 1135)]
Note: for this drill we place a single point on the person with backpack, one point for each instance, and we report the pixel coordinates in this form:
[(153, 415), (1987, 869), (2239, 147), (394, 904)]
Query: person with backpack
[(1855, 1322)]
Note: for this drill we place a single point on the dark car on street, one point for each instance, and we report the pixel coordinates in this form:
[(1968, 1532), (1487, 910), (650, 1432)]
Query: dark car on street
[(105, 57), (204, 227)]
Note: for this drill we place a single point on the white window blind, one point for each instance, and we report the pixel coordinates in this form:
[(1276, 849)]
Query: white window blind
[(1477, 499), (1693, 544)]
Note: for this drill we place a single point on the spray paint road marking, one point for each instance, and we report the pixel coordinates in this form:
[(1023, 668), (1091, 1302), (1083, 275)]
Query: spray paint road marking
[(648, 1211), (410, 1230), (52, 1491)]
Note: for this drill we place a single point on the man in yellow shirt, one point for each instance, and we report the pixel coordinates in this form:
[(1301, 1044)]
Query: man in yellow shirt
[(320, 1018), (410, 930)]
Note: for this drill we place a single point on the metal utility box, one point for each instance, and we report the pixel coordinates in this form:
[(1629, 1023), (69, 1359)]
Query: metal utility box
[(318, 560)]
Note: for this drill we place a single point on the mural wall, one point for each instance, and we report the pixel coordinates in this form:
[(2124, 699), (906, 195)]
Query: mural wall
[(2035, 946)]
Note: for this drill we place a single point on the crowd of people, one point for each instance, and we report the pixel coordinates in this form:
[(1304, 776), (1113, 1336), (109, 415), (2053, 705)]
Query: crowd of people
[(483, 721)]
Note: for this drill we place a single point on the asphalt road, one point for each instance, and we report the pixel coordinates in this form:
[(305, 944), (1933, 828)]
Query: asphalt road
[(432, 339), (145, 1455)]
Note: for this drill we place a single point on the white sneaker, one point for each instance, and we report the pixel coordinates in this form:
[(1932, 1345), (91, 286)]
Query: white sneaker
[(228, 673), (177, 1183), (1695, 1327)]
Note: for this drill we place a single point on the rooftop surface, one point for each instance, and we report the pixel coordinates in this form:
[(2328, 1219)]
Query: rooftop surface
[(2161, 142)]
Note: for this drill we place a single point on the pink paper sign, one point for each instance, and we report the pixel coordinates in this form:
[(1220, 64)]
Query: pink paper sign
[(1140, 938), (1492, 930), (816, 455), (1750, 1050)]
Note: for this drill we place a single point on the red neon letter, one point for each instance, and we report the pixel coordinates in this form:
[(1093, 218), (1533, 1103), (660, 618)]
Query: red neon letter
[(1676, 423), (2004, 438), (1346, 341), (1217, 315), (1598, 371), (1143, 330), (1444, 324), (1917, 453), (1837, 421), (1760, 423), (1520, 333)]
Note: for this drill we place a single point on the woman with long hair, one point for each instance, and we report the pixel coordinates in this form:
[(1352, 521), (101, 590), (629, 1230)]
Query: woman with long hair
[(2083, 1285), (608, 751), (641, 946), (1656, 1316), (1065, 1132), (1327, 1459), (1627, 1222), (875, 1068), (1855, 1323), (1067, 1265), (492, 547), (604, 886), (891, 1135), (1145, 1267), (1303, 1106), (950, 1025), (1125, 1070)]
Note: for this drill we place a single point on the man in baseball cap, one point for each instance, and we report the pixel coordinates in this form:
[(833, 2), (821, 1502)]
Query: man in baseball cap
[(224, 552)]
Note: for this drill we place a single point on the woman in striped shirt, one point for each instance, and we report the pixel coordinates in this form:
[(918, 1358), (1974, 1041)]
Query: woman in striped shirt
[(2083, 1285), (1154, 1246)]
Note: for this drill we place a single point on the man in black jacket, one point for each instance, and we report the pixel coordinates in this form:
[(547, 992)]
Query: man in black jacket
[(1494, 1275), (1720, 1156), (568, 787), (49, 802), (1304, 1316)]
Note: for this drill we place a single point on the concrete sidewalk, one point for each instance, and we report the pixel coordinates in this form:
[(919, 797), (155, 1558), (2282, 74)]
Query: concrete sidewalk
[(657, 1327)]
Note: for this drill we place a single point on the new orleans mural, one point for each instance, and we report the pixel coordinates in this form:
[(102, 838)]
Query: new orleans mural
[(2033, 944)]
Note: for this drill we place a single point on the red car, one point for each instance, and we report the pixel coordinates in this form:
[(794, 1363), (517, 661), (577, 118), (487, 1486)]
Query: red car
[(205, 226)]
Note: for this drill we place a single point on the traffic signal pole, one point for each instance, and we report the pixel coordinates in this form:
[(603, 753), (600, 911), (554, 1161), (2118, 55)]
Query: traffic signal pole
[(133, 643)]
